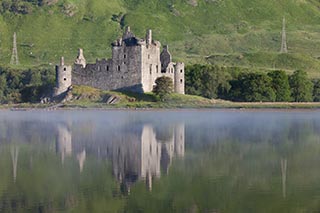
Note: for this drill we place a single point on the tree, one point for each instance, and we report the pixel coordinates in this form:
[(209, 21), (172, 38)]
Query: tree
[(164, 86), (301, 86), (3, 86), (215, 82), (316, 91), (207, 81), (252, 87), (280, 85), (193, 79)]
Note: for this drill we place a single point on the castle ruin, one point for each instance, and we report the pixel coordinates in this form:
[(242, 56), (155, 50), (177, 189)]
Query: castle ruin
[(135, 65)]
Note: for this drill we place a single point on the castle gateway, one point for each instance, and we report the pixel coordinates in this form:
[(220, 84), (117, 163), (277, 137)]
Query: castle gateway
[(134, 66)]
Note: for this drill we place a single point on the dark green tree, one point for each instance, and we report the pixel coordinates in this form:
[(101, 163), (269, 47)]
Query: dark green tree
[(3, 86), (316, 91), (252, 87), (164, 86), (193, 78), (207, 81), (215, 82), (301, 86), (280, 85)]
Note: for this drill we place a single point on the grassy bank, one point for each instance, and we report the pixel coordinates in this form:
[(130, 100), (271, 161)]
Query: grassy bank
[(84, 97)]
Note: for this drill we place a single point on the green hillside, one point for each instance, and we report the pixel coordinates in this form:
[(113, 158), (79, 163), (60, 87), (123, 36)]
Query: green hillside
[(226, 32)]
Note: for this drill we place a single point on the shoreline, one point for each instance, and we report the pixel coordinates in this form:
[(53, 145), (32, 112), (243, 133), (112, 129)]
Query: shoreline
[(229, 106)]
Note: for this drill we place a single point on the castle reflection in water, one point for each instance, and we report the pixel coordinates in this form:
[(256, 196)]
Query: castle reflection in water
[(139, 152)]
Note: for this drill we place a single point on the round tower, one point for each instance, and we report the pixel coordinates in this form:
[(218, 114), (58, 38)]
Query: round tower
[(63, 78), (179, 78)]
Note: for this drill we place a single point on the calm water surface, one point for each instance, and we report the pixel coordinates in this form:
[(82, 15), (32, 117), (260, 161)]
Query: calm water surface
[(186, 161)]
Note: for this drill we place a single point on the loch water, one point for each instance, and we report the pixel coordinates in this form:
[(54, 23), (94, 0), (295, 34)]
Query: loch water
[(159, 161)]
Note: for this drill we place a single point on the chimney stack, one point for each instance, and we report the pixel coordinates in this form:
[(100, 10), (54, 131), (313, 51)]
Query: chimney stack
[(149, 37), (62, 61)]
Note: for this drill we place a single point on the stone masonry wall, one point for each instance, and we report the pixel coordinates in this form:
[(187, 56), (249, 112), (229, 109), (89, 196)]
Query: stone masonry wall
[(119, 73)]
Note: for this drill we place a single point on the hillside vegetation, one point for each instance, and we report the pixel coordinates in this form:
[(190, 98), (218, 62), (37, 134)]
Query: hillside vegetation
[(242, 33)]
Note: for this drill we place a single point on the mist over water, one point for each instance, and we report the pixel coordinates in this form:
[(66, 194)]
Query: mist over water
[(166, 161)]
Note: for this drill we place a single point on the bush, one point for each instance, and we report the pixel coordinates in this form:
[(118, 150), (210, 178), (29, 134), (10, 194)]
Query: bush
[(164, 86)]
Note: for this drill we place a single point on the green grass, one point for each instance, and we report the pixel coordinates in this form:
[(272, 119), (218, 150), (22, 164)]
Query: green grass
[(94, 98), (85, 97), (268, 61), (88, 97), (227, 28)]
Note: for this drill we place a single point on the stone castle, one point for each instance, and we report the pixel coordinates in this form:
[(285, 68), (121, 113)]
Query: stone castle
[(135, 65)]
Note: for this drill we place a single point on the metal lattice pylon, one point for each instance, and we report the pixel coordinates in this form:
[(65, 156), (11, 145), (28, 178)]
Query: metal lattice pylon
[(284, 47), (14, 56)]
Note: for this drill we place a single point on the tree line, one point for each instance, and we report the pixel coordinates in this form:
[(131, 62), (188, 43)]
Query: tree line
[(209, 81), (238, 84), (28, 85)]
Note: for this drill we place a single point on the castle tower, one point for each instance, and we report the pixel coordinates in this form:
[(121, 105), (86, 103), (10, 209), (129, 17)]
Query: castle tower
[(179, 78), (80, 59), (284, 47), (149, 37), (63, 78)]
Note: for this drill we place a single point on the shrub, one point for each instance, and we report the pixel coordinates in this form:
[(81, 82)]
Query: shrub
[(164, 86)]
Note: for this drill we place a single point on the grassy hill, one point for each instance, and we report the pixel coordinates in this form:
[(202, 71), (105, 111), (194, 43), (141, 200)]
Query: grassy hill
[(226, 32)]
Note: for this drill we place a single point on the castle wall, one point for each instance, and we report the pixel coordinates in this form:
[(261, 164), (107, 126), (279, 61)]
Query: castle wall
[(119, 73), (93, 75), (169, 71)]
